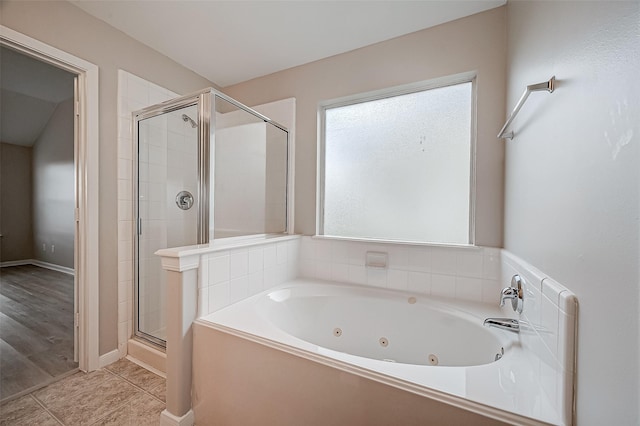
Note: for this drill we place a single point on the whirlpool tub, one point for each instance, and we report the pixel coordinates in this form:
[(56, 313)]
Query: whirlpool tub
[(311, 352)]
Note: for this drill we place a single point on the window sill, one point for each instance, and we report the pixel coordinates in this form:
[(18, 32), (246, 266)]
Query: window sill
[(396, 242)]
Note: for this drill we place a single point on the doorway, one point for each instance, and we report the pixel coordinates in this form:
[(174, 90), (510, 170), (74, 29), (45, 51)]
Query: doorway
[(38, 336), (67, 215)]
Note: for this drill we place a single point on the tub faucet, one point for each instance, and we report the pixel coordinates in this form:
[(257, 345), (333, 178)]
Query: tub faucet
[(508, 324), (515, 293)]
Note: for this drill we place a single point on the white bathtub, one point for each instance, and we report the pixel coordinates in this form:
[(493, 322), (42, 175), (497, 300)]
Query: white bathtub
[(411, 342), (382, 325)]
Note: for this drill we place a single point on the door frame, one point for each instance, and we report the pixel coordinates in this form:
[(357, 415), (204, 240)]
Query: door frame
[(86, 186)]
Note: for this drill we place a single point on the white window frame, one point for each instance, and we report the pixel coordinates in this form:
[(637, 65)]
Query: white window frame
[(467, 77)]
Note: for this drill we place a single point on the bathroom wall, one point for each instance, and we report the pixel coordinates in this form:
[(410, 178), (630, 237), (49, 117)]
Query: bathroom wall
[(54, 189), (15, 203), (66, 27), (475, 43), (572, 182)]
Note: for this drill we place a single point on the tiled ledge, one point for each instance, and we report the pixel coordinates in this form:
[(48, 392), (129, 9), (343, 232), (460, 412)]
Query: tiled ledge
[(468, 273), (234, 269), (551, 312)]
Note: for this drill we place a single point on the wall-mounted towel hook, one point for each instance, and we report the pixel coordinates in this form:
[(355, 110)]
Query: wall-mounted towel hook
[(547, 85)]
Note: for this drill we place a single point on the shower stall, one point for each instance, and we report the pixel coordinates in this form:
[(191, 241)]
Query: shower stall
[(205, 168)]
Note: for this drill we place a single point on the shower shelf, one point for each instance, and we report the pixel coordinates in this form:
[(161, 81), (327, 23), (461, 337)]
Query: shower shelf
[(547, 85)]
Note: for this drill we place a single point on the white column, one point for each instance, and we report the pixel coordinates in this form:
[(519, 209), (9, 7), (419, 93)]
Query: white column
[(181, 309)]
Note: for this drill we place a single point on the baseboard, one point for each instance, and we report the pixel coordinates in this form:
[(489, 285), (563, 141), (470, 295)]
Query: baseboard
[(168, 419), (109, 358), (53, 267), (16, 263), (147, 366), (39, 263), (147, 356)]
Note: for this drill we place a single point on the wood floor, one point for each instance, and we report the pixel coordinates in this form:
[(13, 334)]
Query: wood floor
[(36, 327)]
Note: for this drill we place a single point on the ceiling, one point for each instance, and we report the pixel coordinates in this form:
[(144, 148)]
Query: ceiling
[(229, 42), (30, 91)]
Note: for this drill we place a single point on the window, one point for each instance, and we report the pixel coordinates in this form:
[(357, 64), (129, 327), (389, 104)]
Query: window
[(397, 165)]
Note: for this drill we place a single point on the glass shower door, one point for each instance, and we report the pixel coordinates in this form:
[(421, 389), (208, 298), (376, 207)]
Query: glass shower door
[(167, 190)]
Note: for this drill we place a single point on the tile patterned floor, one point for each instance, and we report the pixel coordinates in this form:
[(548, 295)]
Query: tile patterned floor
[(120, 394)]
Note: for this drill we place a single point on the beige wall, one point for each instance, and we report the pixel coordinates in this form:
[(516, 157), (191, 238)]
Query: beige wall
[(572, 198), (15, 202), (66, 27), (54, 189), (475, 43)]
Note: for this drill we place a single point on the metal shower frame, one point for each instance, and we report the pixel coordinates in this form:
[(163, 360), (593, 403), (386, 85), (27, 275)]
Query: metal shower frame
[(205, 102)]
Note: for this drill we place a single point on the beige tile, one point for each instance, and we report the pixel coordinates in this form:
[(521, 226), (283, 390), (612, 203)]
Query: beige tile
[(86, 406), (136, 374), (160, 391), (69, 386), (140, 410), (25, 411)]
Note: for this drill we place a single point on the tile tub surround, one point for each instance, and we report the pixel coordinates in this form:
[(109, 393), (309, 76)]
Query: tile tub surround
[(464, 273), (207, 277), (228, 275), (551, 312), (473, 274), (120, 394)]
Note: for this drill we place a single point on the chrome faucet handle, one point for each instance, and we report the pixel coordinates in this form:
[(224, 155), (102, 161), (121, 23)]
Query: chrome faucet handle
[(515, 293), (507, 293)]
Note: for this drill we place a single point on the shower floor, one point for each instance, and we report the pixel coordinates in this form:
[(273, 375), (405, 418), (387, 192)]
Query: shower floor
[(36, 327)]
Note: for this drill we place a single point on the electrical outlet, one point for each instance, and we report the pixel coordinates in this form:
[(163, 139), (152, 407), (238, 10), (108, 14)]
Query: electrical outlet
[(53, 248), (44, 246)]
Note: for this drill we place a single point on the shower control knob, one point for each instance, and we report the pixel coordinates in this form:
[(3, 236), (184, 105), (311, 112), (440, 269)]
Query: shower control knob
[(184, 200)]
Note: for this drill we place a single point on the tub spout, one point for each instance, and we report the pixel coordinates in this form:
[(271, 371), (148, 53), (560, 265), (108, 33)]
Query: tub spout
[(508, 324)]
